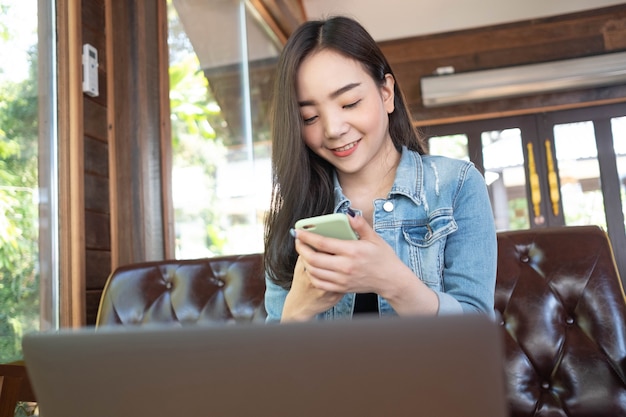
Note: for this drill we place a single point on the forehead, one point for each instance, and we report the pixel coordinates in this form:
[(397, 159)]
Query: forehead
[(326, 71)]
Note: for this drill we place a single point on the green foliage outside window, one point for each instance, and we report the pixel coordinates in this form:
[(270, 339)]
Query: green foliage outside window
[(195, 143), (19, 278), (198, 132)]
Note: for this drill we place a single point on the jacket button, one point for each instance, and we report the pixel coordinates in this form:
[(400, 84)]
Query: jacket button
[(388, 206)]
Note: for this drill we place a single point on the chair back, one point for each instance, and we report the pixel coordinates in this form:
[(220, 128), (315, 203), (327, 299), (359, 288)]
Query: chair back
[(226, 289), (563, 312)]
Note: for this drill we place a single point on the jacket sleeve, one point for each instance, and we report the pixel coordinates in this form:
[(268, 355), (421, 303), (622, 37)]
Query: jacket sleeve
[(275, 296), (470, 256)]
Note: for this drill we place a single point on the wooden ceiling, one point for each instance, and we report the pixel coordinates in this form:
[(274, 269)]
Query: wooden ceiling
[(282, 16), (400, 19)]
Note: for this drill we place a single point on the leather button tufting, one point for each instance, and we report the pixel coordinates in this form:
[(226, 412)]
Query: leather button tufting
[(560, 294)]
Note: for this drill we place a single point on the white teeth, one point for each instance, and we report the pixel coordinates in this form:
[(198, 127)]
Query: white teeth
[(345, 148)]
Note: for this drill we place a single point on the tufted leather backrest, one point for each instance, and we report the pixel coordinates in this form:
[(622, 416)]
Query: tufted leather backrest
[(222, 289), (563, 312)]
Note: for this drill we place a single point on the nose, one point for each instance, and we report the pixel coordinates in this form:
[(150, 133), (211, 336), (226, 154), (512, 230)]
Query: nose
[(335, 125)]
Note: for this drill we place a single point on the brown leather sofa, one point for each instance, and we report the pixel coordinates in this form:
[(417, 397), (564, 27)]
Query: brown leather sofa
[(558, 298), (563, 314), (222, 289)]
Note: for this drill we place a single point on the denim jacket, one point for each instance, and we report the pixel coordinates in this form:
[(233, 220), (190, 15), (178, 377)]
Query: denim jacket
[(438, 219)]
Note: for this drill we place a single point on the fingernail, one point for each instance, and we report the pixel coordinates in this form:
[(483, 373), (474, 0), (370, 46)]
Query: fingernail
[(351, 212), (292, 232)]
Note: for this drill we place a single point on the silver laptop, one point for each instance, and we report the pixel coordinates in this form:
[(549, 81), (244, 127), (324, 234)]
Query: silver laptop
[(440, 367)]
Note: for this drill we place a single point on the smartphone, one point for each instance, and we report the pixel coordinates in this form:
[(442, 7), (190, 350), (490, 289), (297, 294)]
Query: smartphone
[(334, 225)]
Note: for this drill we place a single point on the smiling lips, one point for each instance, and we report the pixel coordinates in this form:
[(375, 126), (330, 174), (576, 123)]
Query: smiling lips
[(346, 150)]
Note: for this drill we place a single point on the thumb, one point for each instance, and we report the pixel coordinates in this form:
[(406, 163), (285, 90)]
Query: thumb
[(361, 227)]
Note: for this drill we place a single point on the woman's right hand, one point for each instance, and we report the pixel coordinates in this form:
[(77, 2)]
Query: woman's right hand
[(305, 301)]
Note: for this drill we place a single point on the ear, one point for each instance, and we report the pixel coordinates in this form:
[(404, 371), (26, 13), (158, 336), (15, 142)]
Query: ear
[(387, 93)]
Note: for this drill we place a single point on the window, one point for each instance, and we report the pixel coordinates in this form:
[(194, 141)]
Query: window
[(579, 174), (453, 146), (618, 125), (503, 158), (562, 168), (221, 73), (27, 167)]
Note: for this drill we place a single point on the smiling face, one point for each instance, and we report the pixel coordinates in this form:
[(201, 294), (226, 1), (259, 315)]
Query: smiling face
[(344, 111)]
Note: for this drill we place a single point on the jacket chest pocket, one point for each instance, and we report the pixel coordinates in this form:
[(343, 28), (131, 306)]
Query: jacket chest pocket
[(425, 246)]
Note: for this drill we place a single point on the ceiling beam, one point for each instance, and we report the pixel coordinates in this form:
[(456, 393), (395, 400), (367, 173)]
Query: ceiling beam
[(281, 16)]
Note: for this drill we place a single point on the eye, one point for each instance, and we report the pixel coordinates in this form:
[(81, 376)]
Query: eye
[(352, 105), (309, 120)]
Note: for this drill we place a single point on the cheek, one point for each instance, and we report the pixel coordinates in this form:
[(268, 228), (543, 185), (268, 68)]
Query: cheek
[(312, 136), (375, 118)]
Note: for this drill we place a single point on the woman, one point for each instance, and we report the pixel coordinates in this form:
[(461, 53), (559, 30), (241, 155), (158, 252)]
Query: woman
[(344, 142)]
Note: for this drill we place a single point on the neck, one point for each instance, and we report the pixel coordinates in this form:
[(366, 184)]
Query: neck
[(374, 182)]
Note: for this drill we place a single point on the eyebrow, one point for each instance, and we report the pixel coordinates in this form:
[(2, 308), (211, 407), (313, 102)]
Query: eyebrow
[(332, 95)]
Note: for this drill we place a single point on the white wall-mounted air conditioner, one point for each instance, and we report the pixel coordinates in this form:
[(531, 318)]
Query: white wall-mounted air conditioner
[(594, 71)]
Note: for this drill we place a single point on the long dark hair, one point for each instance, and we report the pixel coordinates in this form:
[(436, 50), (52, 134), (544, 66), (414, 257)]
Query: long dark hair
[(302, 181)]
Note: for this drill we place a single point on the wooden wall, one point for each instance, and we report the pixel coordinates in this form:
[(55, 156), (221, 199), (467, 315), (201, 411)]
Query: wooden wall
[(126, 150), (96, 154), (557, 38)]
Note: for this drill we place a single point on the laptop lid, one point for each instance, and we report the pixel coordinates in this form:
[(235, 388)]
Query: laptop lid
[(442, 366)]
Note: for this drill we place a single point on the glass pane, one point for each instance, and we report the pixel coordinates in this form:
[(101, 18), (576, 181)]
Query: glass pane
[(19, 175), (579, 174), (618, 126), (221, 73), (503, 159), (453, 146)]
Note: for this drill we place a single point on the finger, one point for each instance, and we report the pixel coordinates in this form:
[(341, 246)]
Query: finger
[(319, 243), (361, 227), (304, 249), (328, 286)]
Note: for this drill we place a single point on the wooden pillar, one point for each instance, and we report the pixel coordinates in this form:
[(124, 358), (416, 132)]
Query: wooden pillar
[(139, 132), (71, 166)]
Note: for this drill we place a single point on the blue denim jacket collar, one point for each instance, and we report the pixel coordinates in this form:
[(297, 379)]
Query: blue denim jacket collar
[(409, 182)]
